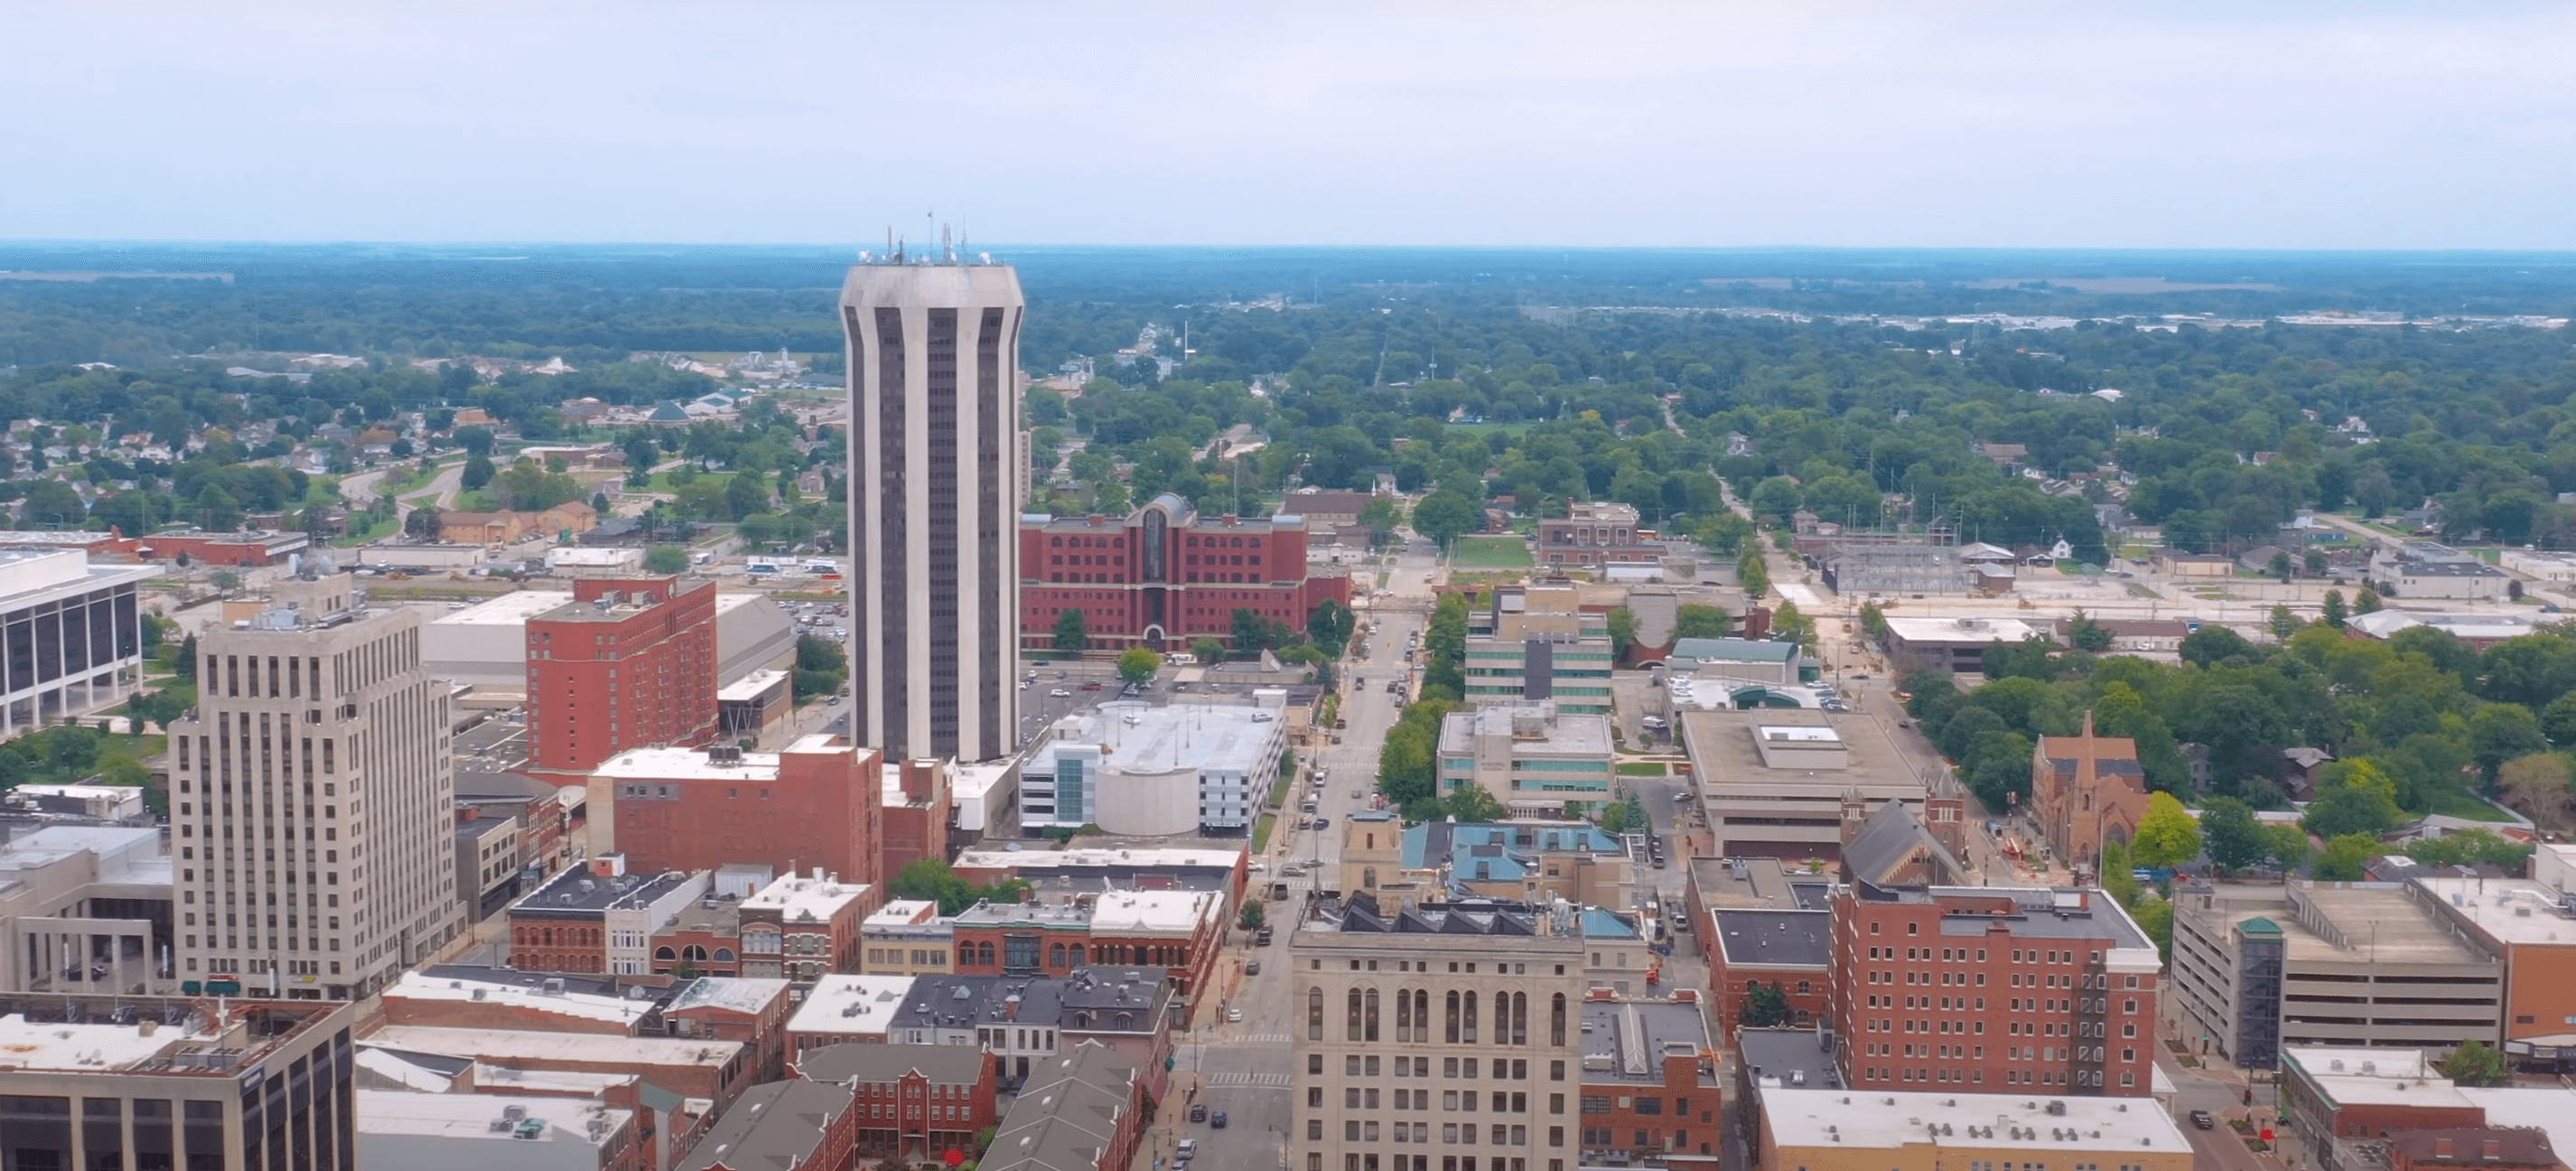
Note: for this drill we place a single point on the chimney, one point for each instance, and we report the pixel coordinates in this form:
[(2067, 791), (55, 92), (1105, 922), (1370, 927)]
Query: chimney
[(917, 777)]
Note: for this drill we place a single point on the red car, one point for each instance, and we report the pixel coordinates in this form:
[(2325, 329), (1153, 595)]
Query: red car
[(1090, 687)]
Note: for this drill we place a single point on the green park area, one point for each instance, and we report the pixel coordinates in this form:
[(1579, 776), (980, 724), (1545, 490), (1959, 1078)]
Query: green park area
[(1495, 552)]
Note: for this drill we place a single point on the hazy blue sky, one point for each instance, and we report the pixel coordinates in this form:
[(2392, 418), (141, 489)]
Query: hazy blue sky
[(2273, 125)]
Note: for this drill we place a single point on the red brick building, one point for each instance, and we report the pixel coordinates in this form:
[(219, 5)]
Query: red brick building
[(203, 548), (573, 923), (1650, 1088), (805, 927), (920, 804), (794, 1125), (915, 1102), (1178, 931), (753, 1012), (817, 804), (628, 662), (1992, 989), (1165, 575), (1773, 948)]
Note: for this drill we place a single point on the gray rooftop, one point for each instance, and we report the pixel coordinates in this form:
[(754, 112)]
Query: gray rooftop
[(1627, 1040), (775, 1124), (1775, 938), (962, 1002), (947, 1065), (1068, 1115), (1803, 1058), (579, 893), (1888, 839)]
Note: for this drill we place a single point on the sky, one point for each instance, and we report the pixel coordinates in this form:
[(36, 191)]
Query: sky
[(2273, 126)]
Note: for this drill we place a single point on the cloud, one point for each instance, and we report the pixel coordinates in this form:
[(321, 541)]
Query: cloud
[(1964, 124)]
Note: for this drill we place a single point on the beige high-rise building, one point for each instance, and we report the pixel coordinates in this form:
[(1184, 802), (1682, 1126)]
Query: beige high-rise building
[(312, 801), (1417, 1053)]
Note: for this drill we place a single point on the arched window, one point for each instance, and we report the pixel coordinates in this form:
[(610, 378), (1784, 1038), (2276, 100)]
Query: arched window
[(663, 953), (1371, 1012), (694, 954), (1468, 1035), (1078, 961), (1520, 1020), (1126, 1021), (724, 955), (1058, 542), (1449, 1027), (1403, 1015), (1421, 1014), (1314, 1014), (1351, 1025), (1055, 955), (1368, 877), (1556, 1020)]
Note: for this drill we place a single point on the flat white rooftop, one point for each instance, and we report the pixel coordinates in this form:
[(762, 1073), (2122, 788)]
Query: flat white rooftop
[(1888, 1121), (851, 1005), (478, 1117), (800, 900), (2514, 910), (667, 763), (510, 609), (1176, 911), (1174, 856), (750, 686), (900, 913), (78, 1048), (585, 1005), (505, 1045)]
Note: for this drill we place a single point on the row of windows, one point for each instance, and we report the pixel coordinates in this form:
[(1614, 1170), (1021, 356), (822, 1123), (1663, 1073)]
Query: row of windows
[(1413, 1018)]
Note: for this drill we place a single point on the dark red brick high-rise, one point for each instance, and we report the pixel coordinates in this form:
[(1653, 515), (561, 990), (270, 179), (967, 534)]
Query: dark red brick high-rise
[(629, 662)]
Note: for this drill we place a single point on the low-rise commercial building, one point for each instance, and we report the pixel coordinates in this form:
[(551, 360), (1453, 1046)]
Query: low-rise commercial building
[(72, 632), (1916, 1130), (2444, 579), (1749, 660), (1649, 1089), (1025, 1020), (1956, 645), (1532, 861), (438, 1132), (87, 909), (747, 1010), (598, 920), (2531, 929), (907, 937), (1777, 962), (1531, 757), (1781, 782), (815, 804), (802, 927), (1057, 874), (458, 996), (842, 1009), (1178, 933), (1134, 769), (2346, 964), (1596, 535), (2480, 631), (691, 1067), (917, 1103)]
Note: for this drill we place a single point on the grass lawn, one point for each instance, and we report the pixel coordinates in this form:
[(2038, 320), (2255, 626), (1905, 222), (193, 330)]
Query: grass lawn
[(363, 528), (2459, 802), (661, 481), (1261, 832), (1642, 768), (1494, 552)]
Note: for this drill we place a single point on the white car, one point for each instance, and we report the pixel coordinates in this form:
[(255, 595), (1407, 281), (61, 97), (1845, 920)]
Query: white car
[(1234, 1016), (1059, 693)]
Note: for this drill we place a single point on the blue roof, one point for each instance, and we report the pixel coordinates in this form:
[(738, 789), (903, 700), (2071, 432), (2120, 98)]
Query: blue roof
[(1601, 924), (1484, 850)]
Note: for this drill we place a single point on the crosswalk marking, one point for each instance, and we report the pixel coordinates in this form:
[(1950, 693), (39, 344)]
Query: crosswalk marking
[(1274, 1081), (1257, 1039)]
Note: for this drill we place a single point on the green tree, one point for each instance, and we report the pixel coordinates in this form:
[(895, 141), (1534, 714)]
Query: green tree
[(746, 495), (1380, 516), (2282, 623), (1071, 635), (1446, 514), (2500, 732), (1136, 665), (1614, 818), (2155, 917), (1251, 631), (2213, 643), (2231, 834), (1692, 620), (1471, 803), (476, 440), (1330, 627), (1789, 625), (478, 471), (2167, 835), (2280, 566), (1765, 1005), (2087, 635), (2366, 602), (2537, 787), (1206, 650), (1251, 917), (2355, 797), (1623, 631), (666, 559), (52, 504), (1751, 572), (1445, 675), (217, 511), (1404, 767), (2347, 858), (2288, 844), (2476, 1064), (1874, 620), (423, 523), (2334, 613)]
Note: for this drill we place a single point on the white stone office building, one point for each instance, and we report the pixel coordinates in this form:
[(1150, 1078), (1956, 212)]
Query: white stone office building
[(1135, 769), (69, 634), (312, 801), (933, 357), (1425, 1037)]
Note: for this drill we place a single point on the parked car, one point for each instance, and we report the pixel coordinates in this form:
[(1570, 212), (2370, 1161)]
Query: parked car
[(1234, 1016), (1058, 692), (2203, 1120), (1252, 969), (1217, 1120), (1198, 1113), (1091, 686)]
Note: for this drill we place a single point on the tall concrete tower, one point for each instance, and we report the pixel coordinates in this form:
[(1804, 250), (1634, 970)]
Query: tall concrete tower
[(934, 356), (313, 799)]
